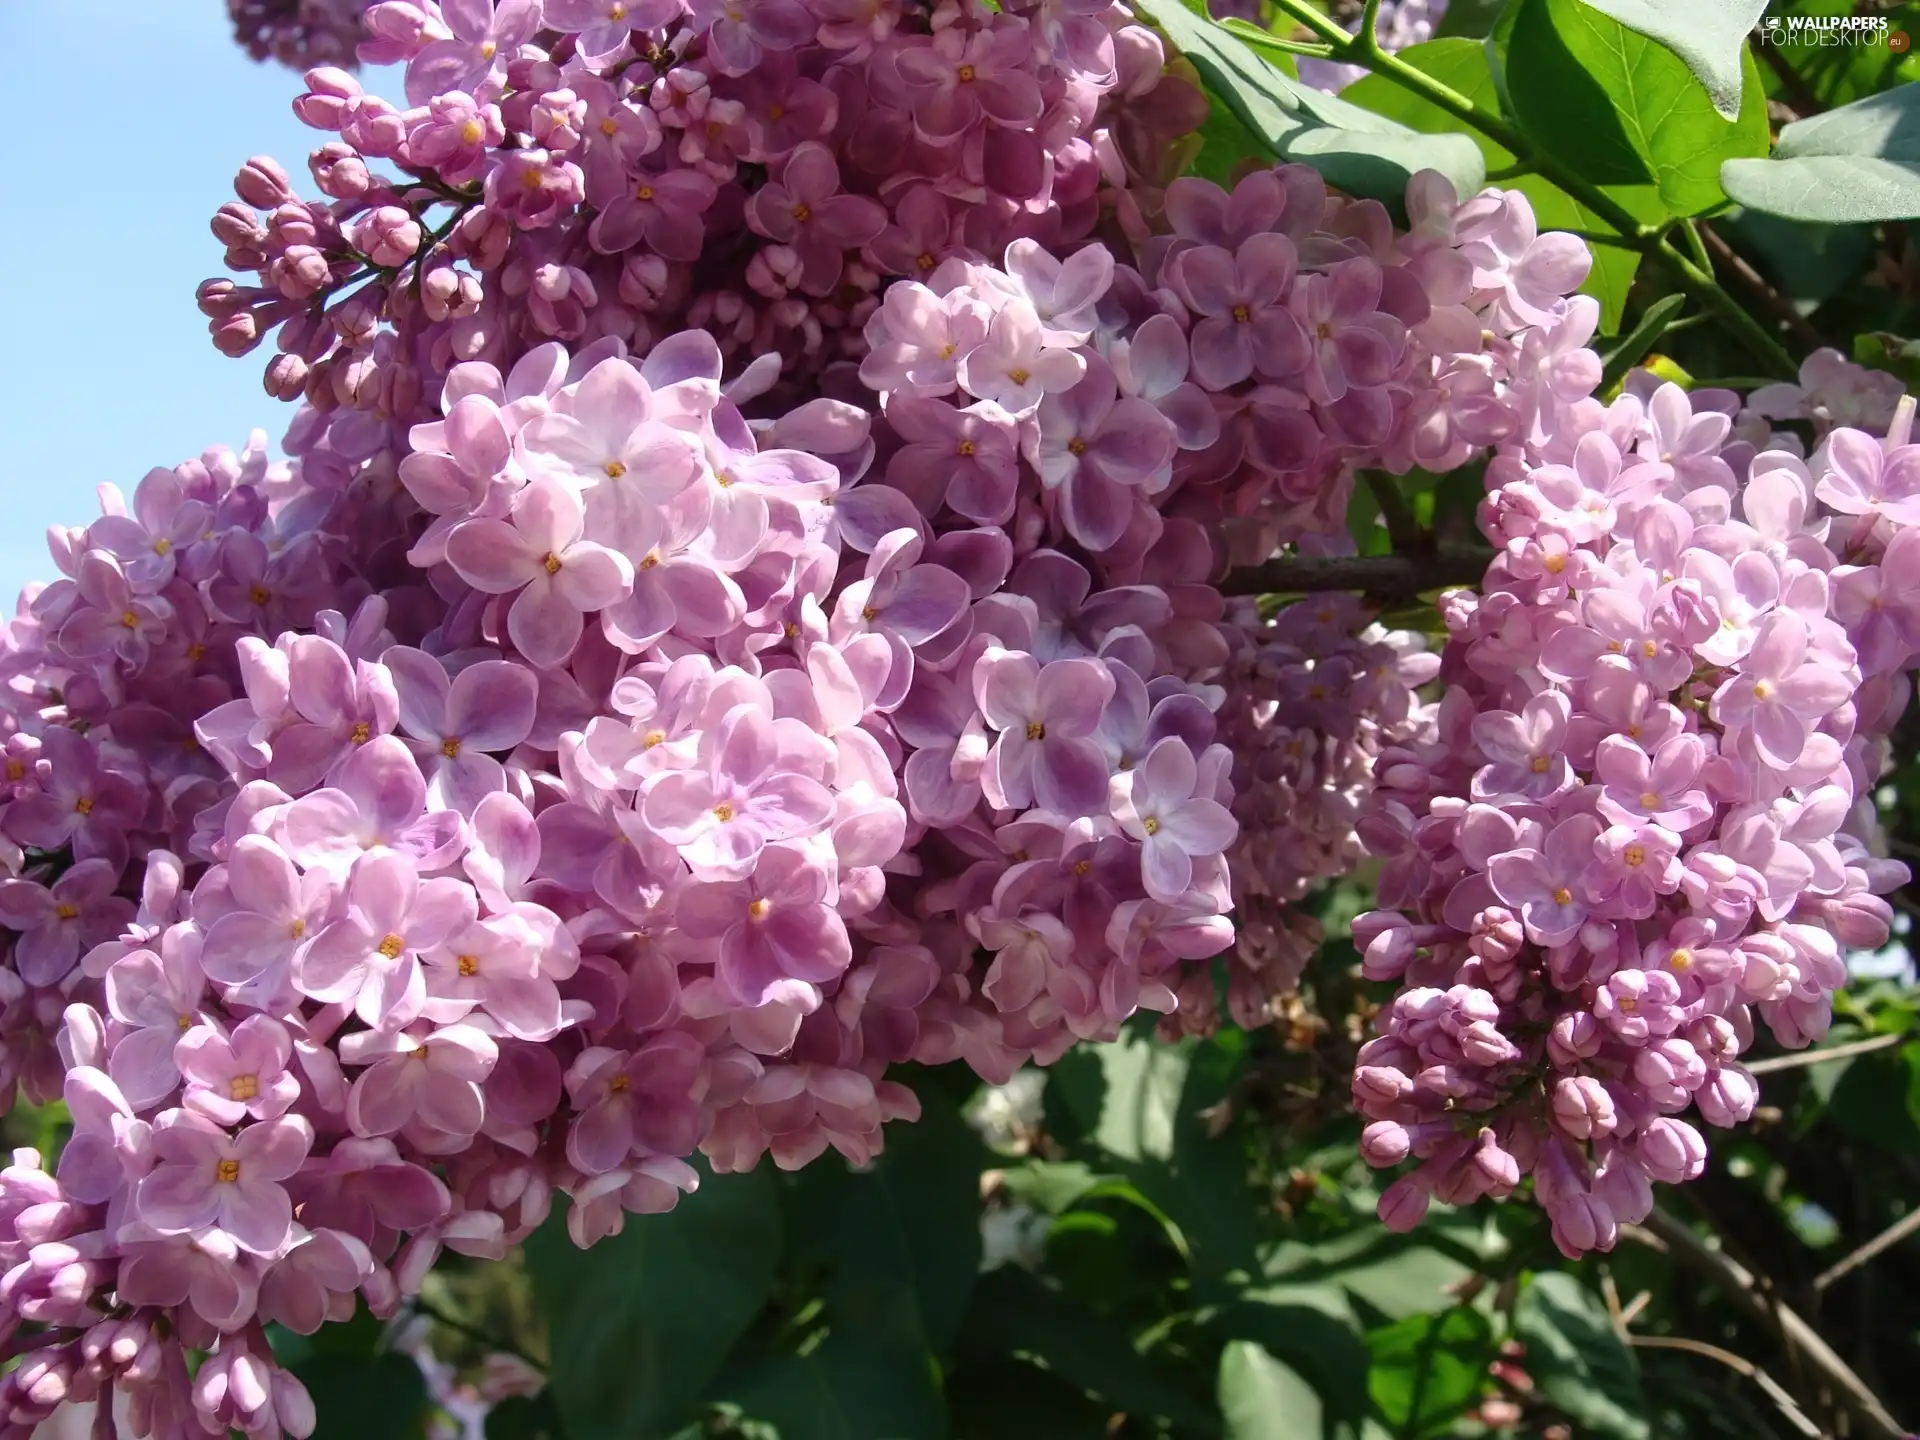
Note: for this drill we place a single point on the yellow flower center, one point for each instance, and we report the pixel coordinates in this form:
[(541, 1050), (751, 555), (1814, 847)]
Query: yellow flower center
[(1554, 564), (645, 192), (869, 614), (243, 1088), (450, 747), (259, 595), (473, 132), (163, 546), (227, 1171), (619, 1085), (1680, 960), (1635, 855), (964, 449), (1627, 1004), (1649, 649), (614, 469), (1541, 764), (468, 965), (362, 732), (1019, 377), (392, 946), (964, 74), (16, 770), (129, 619), (1076, 446), (608, 128), (1649, 800), (183, 1022), (1036, 730), (1763, 690), (759, 909), (723, 813), (924, 260), (1151, 824), (84, 805), (297, 929), (1563, 896), (802, 213), (66, 912), (1241, 314), (552, 563), (776, 111), (1083, 867), (653, 738)]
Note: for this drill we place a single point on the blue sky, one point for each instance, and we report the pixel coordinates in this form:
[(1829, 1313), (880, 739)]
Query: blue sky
[(118, 160)]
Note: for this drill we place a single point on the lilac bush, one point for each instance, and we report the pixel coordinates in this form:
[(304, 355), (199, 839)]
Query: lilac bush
[(743, 613)]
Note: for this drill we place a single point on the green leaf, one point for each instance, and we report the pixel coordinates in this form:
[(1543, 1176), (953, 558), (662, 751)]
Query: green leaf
[(1578, 1361), (1860, 163), (1016, 1313), (1358, 151), (1262, 1398), (642, 1322), (1460, 64), (903, 1239), (1428, 1368), (1635, 345), (1622, 109), (376, 1397), (851, 1385), (1709, 36), (1314, 1341)]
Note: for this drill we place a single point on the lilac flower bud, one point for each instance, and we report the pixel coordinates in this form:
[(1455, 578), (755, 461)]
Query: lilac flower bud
[(1582, 1107), (1403, 1205), (1385, 1143), (388, 236), (234, 335), (1497, 935), (1574, 1037), (261, 182), (1727, 1097), (300, 271), (339, 171), (324, 104), (1497, 1170), (1378, 1086), (286, 377), (1671, 1150)]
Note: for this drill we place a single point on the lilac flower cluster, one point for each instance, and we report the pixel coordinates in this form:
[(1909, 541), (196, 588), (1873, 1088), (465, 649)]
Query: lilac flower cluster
[(300, 33), (743, 615), (1639, 821)]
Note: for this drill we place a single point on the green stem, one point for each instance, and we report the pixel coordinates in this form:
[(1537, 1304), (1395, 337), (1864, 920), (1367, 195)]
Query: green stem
[(1694, 279), (1697, 246), (1304, 14)]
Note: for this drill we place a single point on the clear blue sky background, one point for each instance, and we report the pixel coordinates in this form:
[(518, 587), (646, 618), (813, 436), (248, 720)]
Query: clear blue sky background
[(130, 122)]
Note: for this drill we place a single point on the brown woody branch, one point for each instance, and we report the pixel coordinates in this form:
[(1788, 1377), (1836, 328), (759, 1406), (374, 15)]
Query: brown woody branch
[(1391, 577), (1755, 1296)]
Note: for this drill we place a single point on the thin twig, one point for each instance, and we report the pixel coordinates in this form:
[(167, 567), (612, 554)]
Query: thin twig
[(1820, 1057), (1394, 577), (473, 1332), (1781, 308), (1755, 1297), (1885, 1240), (1784, 1402)]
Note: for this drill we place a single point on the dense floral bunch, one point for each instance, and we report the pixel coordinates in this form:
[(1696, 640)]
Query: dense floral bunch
[(300, 33), (1640, 820), (582, 755), (742, 614)]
